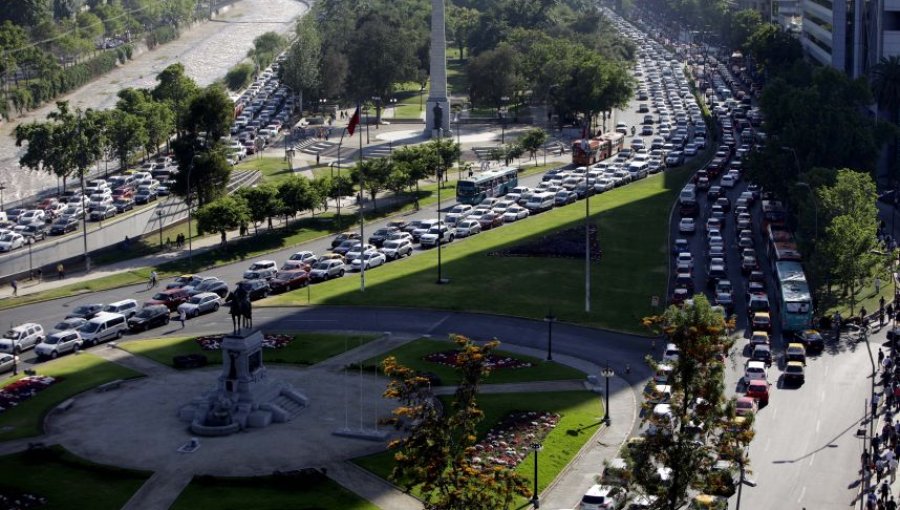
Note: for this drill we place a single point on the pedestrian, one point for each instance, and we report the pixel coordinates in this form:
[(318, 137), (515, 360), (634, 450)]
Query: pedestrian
[(891, 504), (885, 490), (880, 356), (60, 271), (152, 282), (15, 287), (892, 466), (879, 470), (182, 316), (890, 310)]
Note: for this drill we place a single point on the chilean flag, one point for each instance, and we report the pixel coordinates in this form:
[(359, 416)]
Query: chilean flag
[(354, 121)]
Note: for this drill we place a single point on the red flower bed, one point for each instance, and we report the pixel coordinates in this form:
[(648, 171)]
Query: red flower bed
[(510, 442), (270, 340), (23, 389), (493, 361)]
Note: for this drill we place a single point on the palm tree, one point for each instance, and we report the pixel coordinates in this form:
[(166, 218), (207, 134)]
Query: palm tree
[(886, 89)]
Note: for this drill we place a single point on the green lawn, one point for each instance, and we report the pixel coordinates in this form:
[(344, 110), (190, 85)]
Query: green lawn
[(68, 482), (273, 169), (267, 493), (305, 349), (581, 412), (633, 232), (77, 373), (412, 354)]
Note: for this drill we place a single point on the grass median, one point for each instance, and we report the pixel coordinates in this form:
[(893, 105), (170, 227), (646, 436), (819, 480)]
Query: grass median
[(581, 413), (304, 349), (76, 374), (66, 481), (412, 355), (632, 226)]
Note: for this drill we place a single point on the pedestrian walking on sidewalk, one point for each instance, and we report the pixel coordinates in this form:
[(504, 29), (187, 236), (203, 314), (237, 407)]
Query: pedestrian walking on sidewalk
[(891, 504), (60, 271), (885, 490), (182, 316), (880, 356), (15, 287), (152, 282)]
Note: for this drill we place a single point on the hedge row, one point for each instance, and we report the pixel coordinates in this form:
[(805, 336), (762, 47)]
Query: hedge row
[(161, 35)]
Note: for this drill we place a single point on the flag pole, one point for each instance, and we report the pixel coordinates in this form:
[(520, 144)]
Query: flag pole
[(362, 218)]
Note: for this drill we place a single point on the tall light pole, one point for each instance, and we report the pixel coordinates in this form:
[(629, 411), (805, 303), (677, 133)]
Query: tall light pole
[(87, 258), (503, 121), (2, 187), (587, 246), (440, 277), (550, 319), (159, 220), (535, 501), (190, 234), (607, 373)]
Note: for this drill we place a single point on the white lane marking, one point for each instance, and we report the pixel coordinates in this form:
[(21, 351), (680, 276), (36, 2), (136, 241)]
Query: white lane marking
[(818, 425), (811, 459), (802, 493), (774, 413), (822, 396)]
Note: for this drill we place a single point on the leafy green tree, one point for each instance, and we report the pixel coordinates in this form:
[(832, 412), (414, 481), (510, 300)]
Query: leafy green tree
[(266, 47), (90, 26), (301, 69), (321, 187), (262, 203), (702, 417), (25, 13), (493, 75), (460, 23), (437, 455), (176, 88), (159, 120), (221, 215), (738, 27), (341, 186), (532, 142), (297, 196), (373, 175), (210, 114), (774, 50), (128, 134)]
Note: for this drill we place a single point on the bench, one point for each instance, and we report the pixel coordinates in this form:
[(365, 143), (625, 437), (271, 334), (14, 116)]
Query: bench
[(111, 385), (65, 405)]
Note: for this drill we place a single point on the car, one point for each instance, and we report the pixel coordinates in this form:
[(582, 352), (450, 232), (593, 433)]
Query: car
[(209, 285), (762, 352), (345, 236), (63, 226), (58, 343), (490, 220), (326, 270), (680, 246), (812, 339), (757, 303), (86, 312), (563, 197), (725, 300), (397, 248), (671, 353), (680, 295), (11, 241), (658, 393), (21, 337), (123, 204), (200, 303), (755, 370), (381, 235), (149, 317), (71, 323), (675, 158), (687, 226), (424, 227), (368, 260), (761, 321), (749, 264), (745, 406), (103, 212), (468, 227), (254, 289), (289, 280), (185, 280), (307, 257), (457, 213), (728, 181), (171, 298), (795, 352), (145, 196), (514, 213), (603, 497), (758, 389), (759, 338), (442, 234), (794, 373), (343, 248), (31, 216)]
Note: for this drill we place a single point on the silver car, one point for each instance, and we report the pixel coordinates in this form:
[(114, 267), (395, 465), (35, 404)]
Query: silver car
[(200, 303)]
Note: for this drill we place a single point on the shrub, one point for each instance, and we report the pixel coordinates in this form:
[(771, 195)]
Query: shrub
[(239, 76)]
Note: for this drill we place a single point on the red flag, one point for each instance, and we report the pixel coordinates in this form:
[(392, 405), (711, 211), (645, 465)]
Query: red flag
[(354, 121)]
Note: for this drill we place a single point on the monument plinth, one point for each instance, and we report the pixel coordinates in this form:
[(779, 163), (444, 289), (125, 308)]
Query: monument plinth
[(244, 395), (437, 114)]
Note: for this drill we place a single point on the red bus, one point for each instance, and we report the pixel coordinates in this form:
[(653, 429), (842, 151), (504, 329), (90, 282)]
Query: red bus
[(616, 140), (587, 152)]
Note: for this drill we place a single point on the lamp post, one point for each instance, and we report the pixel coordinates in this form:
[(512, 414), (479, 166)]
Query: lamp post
[(159, 221), (30, 263), (587, 246), (16, 364), (2, 187), (377, 101), (189, 233), (421, 95), (535, 501), (815, 202), (550, 319), (440, 277), (504, 99), (607, 373)]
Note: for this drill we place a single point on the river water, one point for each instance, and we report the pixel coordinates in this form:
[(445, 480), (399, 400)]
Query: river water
[(207, 51)]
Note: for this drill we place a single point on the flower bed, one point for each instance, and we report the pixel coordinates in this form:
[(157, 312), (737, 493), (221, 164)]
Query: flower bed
[(566, 244), (21, 500), (510, 441), (23, 389), (493, 361), (270, 341)]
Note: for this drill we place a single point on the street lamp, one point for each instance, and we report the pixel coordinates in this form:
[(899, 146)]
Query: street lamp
[(159, 220), (30, 264), (815, 202), (2, 187), (16, 365), (607, 373), (504, 99), (535, 502), (587, 246), (550, 319), (440, 278), (421, 95)]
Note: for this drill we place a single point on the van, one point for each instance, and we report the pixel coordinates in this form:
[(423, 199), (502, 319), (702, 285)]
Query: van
[(105, 326), (688, 194), (126, 307), (22, 337), (540, 202), (639, 169)]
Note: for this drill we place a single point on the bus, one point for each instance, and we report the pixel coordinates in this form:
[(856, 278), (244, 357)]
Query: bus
[(492, 183), (587, 152), (795, 300), (616, 142), (773, 211), (784, 252)]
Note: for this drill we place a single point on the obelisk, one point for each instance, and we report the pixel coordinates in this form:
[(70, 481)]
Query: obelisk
[(437, 111)]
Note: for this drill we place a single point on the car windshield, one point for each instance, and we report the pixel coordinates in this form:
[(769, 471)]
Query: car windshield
[(391, 244), (196, 300), (322, 265), (145, 313), (285, 276), (83, 309), (161, 297), (90, 327), (382, 232), (258, 266), (52, 339), (11, 334)]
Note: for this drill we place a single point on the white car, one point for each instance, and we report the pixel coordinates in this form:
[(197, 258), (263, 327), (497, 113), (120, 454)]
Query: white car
[(687, 226), (457, 213), (32, 216), (372, 259), (515, 213), (59, 343), (672, 353), (397, 248), (11, 240), (200, 303), (603, 497), (306, 257), (685, 258), (468, 227), (755, 370), (728, 181)]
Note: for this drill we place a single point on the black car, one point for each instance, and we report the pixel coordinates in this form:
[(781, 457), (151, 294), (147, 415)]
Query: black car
[(149, 317), (63, 226), (85, 311), (123, 204), (381, 235), (345, 236), (218, 287), (256, 289)]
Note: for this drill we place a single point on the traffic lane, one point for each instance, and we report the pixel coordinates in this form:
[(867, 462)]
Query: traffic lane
[(805, 453)]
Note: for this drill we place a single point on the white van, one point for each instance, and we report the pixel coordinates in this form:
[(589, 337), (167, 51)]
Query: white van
[(126, 307), (639, 169), (539, 202), (21, 338), (688, 194), (104, 326)]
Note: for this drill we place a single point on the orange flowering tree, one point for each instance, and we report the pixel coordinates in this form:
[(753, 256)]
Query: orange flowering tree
[(697, 426), (438, 450)]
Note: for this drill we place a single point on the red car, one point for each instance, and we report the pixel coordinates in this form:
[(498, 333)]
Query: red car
[(288, 280), (171, 298), (759, 390), (490, 220)]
